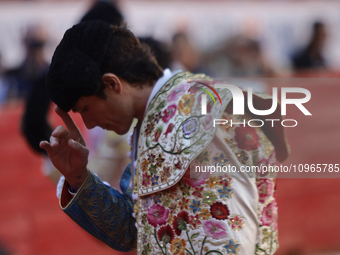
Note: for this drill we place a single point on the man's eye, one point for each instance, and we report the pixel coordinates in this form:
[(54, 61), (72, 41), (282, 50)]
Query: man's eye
[(85, 109)]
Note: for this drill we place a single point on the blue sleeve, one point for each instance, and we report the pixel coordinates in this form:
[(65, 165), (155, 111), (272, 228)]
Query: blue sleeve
[(104, 212)]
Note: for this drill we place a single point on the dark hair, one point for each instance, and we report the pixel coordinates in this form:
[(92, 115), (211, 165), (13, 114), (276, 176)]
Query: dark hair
[(160, 50), (89, 50), (104, 11), (129, 59)]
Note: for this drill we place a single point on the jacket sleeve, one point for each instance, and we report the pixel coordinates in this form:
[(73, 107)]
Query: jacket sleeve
[(103, 211)]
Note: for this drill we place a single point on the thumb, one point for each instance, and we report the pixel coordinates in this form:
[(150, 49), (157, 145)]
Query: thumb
[(78, 148)]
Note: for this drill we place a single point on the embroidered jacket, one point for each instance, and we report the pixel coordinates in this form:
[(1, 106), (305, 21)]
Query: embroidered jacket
[(182, 208)]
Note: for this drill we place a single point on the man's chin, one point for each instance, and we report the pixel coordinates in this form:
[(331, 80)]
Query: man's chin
[(118, 131)]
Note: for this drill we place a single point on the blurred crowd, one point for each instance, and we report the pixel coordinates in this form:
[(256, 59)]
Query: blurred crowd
[(241, 55)]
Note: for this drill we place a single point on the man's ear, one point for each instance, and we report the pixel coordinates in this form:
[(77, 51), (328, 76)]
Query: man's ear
[(112, 82)]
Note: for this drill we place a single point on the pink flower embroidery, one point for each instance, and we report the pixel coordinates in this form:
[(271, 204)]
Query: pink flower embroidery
[(265, 189), (215, 228), (177, 93), (236, 222), (169, 113), (269, 215), (195, 179), (157, 215), (247, 138), (146, 179)]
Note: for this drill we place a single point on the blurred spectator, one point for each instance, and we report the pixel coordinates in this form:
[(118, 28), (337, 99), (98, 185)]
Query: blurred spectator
[(20, 80), (104, 10), (241, 56), (161, 51), (3, 87), (311, 56), (185, 55)]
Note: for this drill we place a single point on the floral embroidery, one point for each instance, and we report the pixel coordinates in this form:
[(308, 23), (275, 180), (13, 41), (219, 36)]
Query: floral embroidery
[(144, 218), (161, 105), (157, 198), (151, 158), (209, 197), (146, 250), (220, 161), (236, 222), (269, 215), (198, 192), (158, 116), (154, 180), (147, 228), (158, 133), (169, 113), (177, 93), (215, 229), (184, 203), (195, 179), (169, 130), (242, 157), (166, 234), (173, 207), (265, 189), (145, 165), (227, 182), (189, 126), (153, 169), (180, 222), (195, 222), (165, 174), (151, 117), (247, 138), (212, 182), (232, 247), (149, 128), (146, 179), (205, 214), (225, 192), (178, 246), (219, 211), (185, 104), (144, 238), (185, 189), (159, 160), (157, 215), (195, 206), (166, 200), (178, 165)]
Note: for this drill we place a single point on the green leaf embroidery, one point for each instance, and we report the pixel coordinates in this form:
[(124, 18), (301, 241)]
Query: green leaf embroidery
[(195, 235)]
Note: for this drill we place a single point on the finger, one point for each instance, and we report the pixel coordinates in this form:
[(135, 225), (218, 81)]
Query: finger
[(60, 132), (54, 141), (46, 146), (78, 148), (67, 119)]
